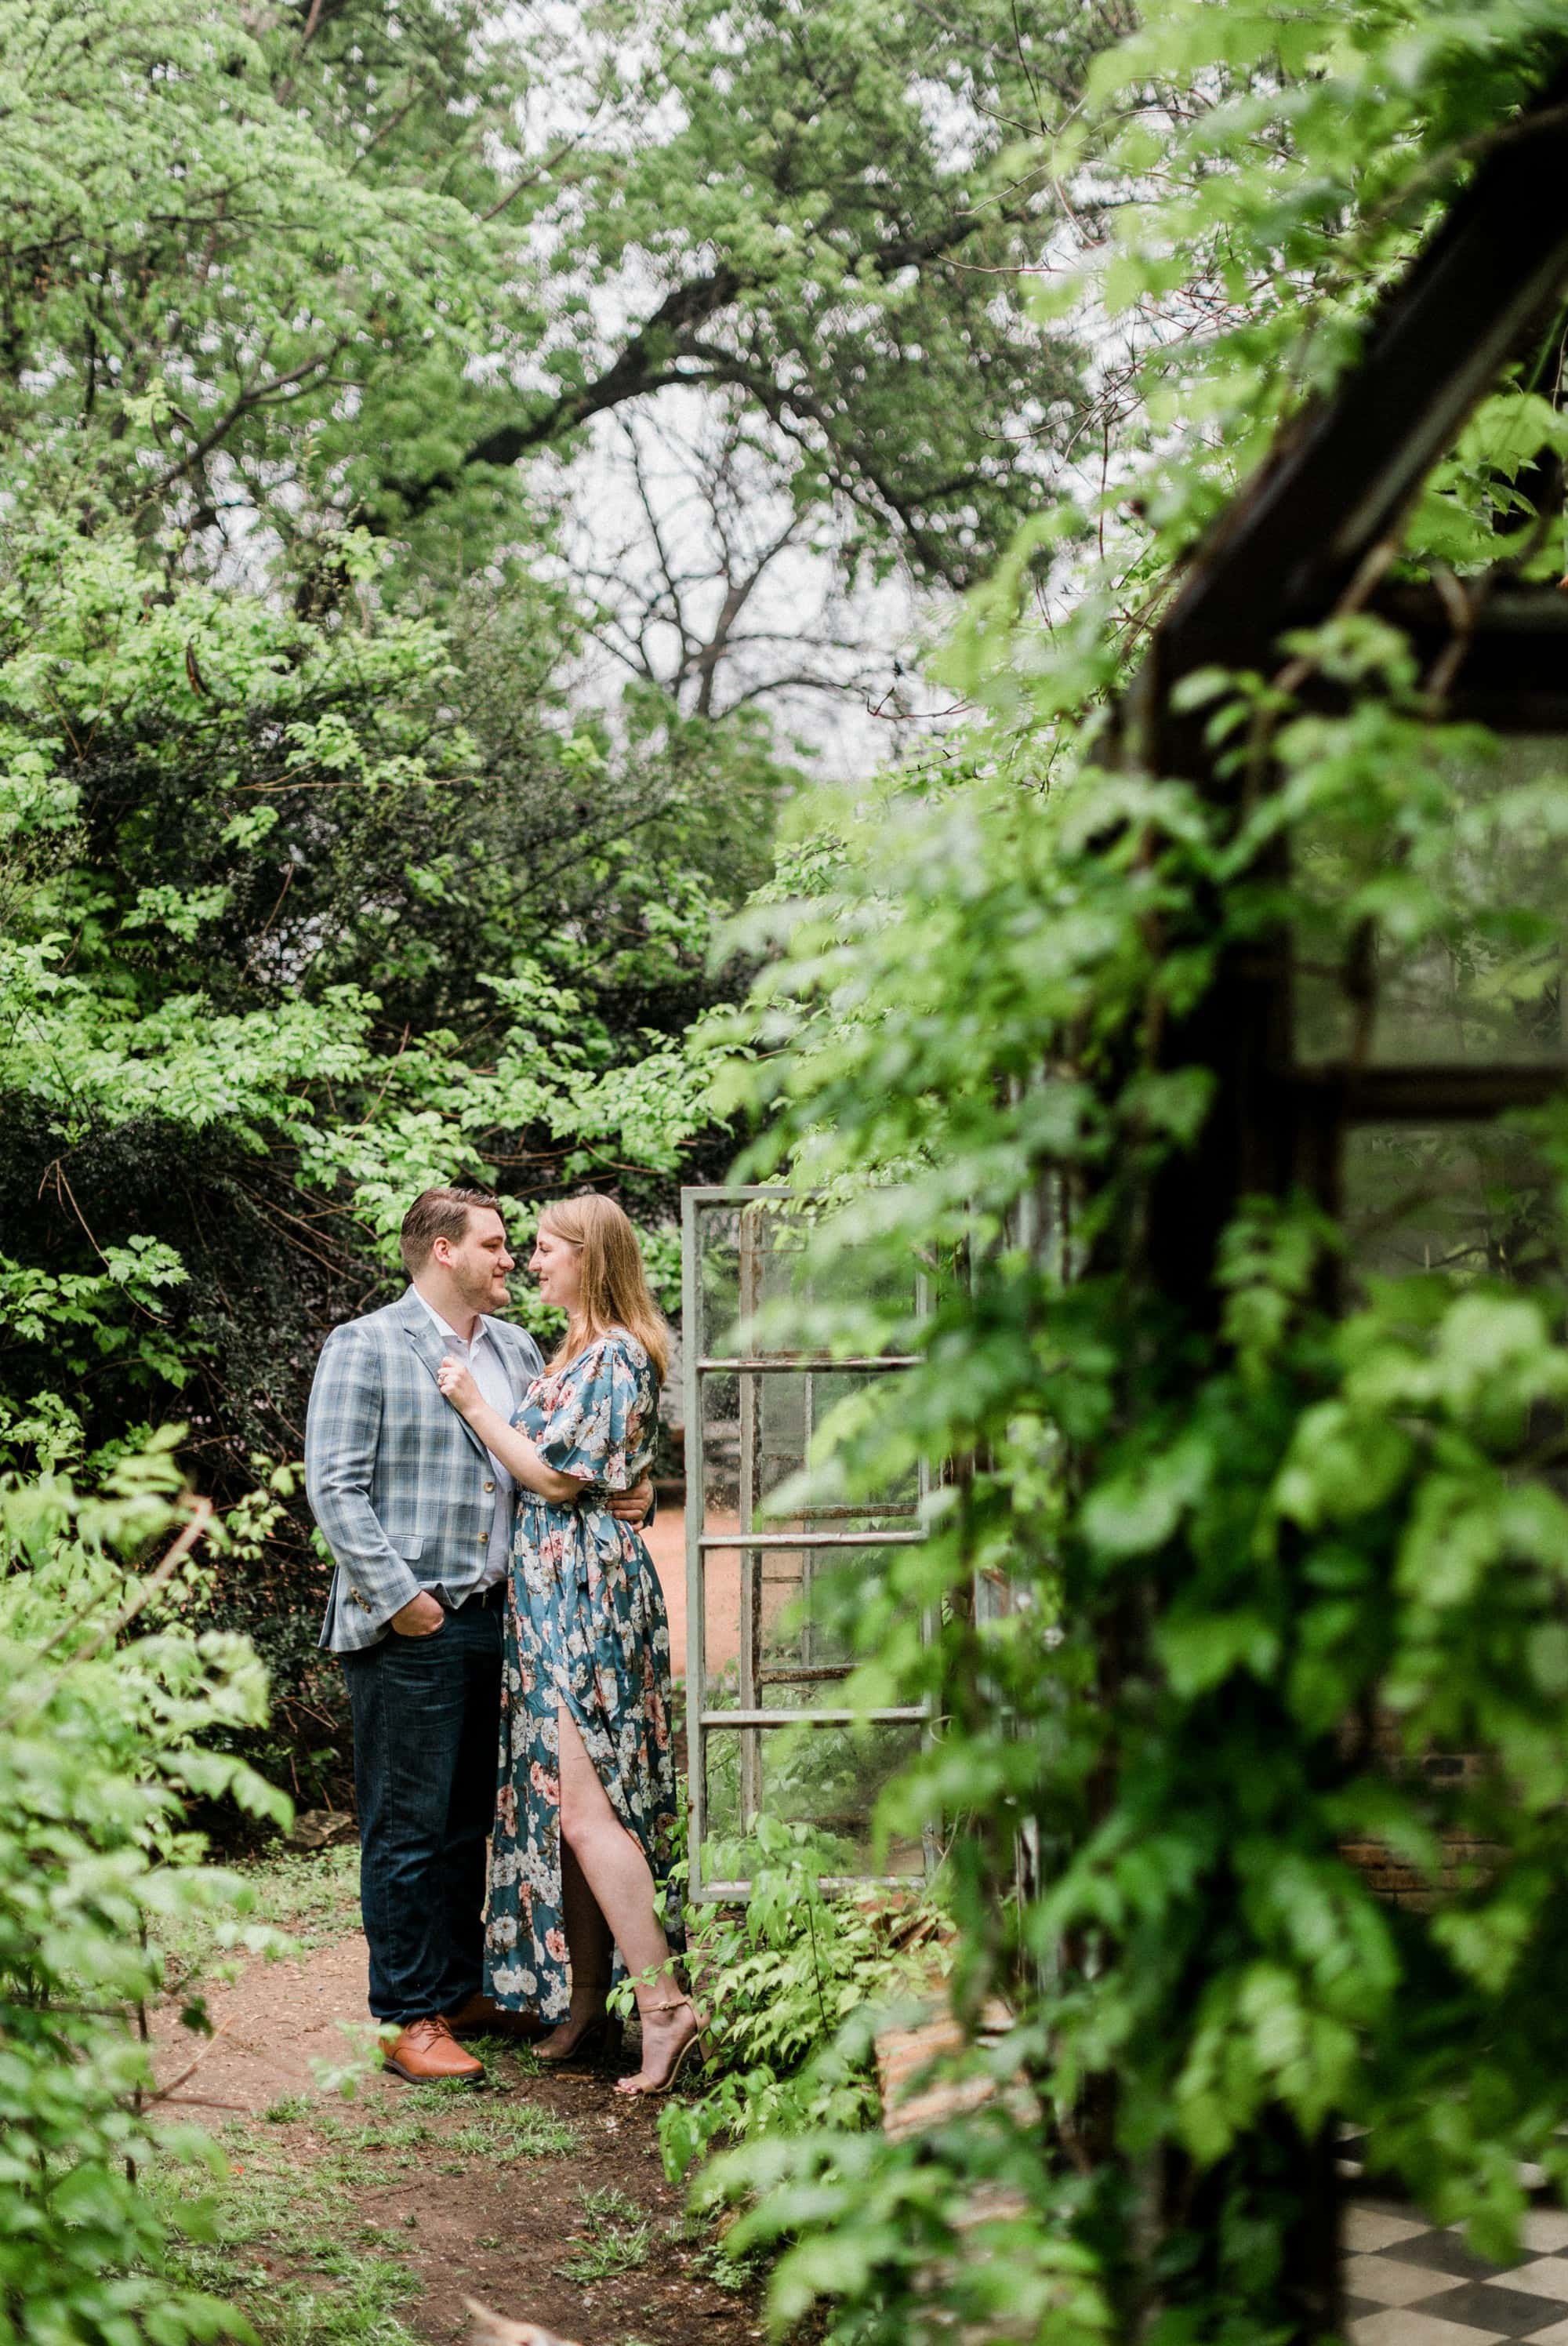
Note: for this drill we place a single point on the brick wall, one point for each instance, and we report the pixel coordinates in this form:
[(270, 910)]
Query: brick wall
[(1464, 1858)]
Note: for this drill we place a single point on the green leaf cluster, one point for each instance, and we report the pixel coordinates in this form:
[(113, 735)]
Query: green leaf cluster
[(1237, 1604), (104, 1741), (803, 1979)]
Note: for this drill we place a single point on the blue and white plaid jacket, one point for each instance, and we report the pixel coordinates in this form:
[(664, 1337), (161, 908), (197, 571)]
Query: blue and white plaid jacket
[(402, 1487)]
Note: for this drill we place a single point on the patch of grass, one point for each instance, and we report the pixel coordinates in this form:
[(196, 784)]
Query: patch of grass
[(375, 2132), (618, 2237), (365, 2148), (365, 2167), (521, 2132), (363, 2313), (735, 2274), (495, 2050), (313, 1896), (438, 2094), (609, 2206), (617, 2249), (339, 2288), (291, 2110)]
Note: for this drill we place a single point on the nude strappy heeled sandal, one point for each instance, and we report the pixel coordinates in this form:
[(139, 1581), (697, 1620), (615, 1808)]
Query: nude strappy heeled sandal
[(694, 2043)]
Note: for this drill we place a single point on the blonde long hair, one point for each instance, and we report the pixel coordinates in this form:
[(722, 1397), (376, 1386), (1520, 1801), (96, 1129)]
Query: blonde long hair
[(615, 1291)]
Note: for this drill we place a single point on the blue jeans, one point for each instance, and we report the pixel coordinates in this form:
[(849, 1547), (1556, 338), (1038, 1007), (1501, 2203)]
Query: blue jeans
[(426, 1714)]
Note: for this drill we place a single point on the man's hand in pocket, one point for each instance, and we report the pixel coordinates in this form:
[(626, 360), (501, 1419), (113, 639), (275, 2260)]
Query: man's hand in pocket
[(421, 1617)]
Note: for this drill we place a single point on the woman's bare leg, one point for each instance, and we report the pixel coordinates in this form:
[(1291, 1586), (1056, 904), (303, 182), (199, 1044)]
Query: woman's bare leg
[(613, 1865), (616, 1872)]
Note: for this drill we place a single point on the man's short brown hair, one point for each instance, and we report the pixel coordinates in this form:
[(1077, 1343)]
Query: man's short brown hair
[(439, 1214)]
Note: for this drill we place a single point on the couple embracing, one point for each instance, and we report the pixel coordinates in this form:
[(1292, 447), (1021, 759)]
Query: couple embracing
[(504, 1638)]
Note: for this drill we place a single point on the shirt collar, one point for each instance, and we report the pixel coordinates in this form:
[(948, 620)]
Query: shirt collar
[(447, 1330)]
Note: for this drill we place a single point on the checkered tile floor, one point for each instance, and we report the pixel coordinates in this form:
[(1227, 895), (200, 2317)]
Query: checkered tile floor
[(1408, 2283)]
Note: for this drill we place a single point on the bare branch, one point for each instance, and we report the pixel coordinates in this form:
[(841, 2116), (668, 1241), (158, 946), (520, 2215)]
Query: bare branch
[(254, 395)]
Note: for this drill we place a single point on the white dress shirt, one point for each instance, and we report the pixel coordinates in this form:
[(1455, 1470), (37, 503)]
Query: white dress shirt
[(484, 1362)]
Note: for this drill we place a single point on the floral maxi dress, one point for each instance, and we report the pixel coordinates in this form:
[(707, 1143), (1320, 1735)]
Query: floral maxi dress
[(586, 1626)]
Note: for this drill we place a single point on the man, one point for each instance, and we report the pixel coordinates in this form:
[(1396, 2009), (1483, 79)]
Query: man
[(418, 1515)]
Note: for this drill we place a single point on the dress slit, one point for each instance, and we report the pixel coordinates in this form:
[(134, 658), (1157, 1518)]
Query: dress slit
[(586, 1632)]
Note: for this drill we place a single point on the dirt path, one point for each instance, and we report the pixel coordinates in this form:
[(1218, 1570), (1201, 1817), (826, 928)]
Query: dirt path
[(484, 2195)]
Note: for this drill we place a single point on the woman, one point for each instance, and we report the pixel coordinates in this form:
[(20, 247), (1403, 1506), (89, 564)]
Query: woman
[(586, 1818)]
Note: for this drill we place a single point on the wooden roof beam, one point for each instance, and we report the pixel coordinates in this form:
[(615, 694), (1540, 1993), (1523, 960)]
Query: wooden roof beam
[(1338, 481)]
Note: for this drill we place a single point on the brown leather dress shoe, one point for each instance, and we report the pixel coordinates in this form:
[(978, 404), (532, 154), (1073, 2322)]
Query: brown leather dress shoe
[(481, 2015), (427, 2054)]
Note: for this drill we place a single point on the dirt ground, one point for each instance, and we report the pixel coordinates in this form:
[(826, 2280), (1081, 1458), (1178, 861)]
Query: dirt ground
[(433, 2175), (666, 1537), (433, 2180)]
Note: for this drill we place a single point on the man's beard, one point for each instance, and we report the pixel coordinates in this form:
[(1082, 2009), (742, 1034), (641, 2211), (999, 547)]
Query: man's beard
[(480, 1296)]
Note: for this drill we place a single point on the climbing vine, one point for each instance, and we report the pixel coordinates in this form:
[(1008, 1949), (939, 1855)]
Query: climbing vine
[(1285, 1578)]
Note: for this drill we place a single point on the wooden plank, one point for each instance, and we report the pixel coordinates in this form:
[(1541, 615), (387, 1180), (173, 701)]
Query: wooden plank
[(1429, 1094), (720, 1543), (1341, 474), (794, 1364), (900, 1715), (1508, 646)]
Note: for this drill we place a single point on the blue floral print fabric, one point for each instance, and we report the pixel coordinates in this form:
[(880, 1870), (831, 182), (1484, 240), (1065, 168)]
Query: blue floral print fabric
[(585, 1627)]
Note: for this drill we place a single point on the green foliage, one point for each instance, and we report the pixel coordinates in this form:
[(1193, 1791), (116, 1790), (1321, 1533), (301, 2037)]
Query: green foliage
[(798, 1982), (313, 887), (381, 228), (1313, 1525), (836, 232), (1269, 175), (104, 1740), (617, 2236), (150, 162), (1281, 1532), (1218, 1593), (277, 955)]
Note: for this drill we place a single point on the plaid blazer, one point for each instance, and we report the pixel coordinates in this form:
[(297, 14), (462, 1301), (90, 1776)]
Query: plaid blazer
[(402, 1487)]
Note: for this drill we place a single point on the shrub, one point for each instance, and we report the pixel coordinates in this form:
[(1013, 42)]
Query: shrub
[(106, 1701), (798, 1983)]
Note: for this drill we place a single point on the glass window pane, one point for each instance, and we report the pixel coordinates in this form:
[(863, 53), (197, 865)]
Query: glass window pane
[(754, 1257), (826, 1777), (794, 1601), (1472, 1200), (771, 1420), (774, 1629), (1439, 941)]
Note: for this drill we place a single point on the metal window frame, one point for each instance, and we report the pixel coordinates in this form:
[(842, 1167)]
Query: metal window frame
[(751, 1719)]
